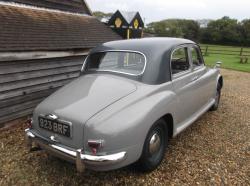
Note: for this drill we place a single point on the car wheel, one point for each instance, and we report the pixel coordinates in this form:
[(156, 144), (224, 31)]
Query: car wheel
[(154, 147), (217, 100)]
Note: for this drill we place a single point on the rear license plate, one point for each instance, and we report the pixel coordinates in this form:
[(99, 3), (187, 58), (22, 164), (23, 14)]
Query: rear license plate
[(55, 126)]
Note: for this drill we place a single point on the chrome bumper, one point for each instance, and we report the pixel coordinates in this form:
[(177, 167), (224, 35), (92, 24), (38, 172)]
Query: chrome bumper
[(76, 156)]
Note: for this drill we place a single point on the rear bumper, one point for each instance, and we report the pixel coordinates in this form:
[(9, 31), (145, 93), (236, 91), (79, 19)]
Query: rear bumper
[(75, 156)]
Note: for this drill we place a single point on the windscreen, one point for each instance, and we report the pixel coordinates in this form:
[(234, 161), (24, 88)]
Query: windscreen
[(130, 63)]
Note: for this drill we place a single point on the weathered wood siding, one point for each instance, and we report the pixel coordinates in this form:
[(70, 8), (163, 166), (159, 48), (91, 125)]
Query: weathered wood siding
[(24, 84)]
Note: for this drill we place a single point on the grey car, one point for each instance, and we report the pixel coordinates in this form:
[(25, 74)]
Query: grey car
[(131, 98)]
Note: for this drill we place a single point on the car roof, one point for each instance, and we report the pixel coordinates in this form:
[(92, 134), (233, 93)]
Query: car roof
[(157, 51), (144, 45)]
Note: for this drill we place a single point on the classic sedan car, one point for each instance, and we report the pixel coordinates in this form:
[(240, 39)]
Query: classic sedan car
[(131, 98)]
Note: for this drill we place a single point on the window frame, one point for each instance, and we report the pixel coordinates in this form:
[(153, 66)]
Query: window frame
[(114, 71), (180, 74), (197, 48)]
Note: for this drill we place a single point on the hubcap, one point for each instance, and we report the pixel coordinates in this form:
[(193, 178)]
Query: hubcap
[(154, 143)]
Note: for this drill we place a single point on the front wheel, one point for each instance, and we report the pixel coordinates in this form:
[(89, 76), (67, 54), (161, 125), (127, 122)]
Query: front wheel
[(154, 147)]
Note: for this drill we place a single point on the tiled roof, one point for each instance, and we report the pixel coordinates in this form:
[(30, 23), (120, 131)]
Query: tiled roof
[(77, 6), (27, 29)]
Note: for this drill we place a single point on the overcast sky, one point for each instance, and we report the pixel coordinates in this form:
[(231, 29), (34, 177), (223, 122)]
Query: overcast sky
[(154, 10)]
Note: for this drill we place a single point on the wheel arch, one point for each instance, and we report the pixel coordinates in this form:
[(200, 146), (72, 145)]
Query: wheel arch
[(168, 118), (220, 82)]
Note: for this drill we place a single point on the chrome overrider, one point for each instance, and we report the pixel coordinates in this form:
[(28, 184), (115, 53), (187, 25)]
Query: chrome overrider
[(76, 156)]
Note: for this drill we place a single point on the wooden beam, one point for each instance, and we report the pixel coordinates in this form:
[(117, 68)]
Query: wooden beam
[(14, 56), (34, 89)]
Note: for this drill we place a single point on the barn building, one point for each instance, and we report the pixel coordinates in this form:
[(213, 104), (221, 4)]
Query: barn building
[(43, 44), (127, 24)]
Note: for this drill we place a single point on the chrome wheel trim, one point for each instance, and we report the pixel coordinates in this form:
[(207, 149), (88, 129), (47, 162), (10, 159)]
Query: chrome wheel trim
[(154, 143)]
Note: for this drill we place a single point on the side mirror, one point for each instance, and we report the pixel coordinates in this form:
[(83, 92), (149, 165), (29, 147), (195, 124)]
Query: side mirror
[(218, 64)]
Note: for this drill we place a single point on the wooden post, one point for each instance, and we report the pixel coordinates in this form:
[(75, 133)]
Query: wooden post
[(241, 59), (206, 50), (128, 33), (241, 51)]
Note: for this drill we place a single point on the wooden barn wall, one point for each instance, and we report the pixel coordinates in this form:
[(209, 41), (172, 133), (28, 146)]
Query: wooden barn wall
[(24, 84)]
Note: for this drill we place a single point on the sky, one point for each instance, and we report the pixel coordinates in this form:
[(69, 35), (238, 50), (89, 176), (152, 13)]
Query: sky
[(155, 10)]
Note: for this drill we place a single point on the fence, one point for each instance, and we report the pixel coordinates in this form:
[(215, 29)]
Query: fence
[(25, 83), (233, 51)]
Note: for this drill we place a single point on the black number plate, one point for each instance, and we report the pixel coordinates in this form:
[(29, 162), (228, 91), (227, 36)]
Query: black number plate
[(55, 126)]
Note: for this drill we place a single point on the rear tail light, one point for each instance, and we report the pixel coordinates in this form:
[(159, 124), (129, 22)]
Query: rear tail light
[(94, 145), (29, 123)]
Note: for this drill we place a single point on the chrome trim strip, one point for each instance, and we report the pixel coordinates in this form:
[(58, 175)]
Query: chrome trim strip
[(84, 63), (69, 152), (75, 155), (129, 51), (111, 157), (201, 67), (181, 74)]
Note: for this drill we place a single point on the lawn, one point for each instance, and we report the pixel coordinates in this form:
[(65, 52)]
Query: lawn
[(230, 57)]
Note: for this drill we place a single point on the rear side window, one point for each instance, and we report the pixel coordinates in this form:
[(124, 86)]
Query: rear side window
[(179, 60), (196, 57)]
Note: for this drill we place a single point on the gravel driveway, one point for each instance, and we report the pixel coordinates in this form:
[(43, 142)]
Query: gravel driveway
[(215, 150)]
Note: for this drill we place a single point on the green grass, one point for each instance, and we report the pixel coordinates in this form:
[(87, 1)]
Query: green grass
[(228, 61)]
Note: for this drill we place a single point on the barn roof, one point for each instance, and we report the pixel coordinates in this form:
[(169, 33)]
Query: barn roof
[(30, 29), (76, 6)]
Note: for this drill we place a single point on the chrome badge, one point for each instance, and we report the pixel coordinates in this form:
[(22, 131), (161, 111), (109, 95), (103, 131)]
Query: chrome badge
[(52, 116)]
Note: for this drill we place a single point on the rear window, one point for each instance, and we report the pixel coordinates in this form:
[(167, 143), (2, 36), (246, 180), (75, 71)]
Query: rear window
[(131, 63)]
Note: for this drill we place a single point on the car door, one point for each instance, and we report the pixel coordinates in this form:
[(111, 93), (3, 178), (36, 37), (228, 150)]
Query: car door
[(183, 80), (202, 79)]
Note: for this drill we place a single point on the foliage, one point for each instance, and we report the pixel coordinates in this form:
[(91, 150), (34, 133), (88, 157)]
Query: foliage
[(175, 28), (245, 30), (225, 31), (222, 31), (101, 15)]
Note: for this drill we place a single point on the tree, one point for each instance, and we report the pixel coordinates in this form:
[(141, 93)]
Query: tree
[(222, 31), (225, 31), (245, 29), (191, 30), (101, 15), (175, 28)]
